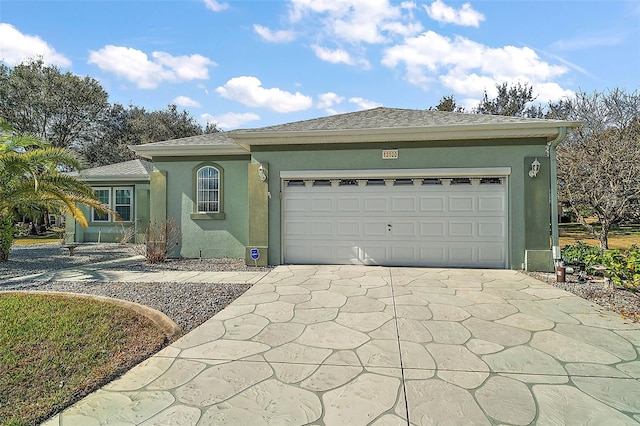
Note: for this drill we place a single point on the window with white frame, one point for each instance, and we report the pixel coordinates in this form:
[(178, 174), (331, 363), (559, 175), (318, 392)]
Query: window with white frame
[(104, 196), (118, 199), (208, 190), (123, 203)]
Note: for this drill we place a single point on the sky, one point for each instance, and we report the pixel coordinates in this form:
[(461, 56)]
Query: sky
[(246, 64)]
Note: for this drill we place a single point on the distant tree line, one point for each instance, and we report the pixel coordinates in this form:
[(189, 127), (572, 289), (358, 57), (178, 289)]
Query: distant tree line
[(73, 112)]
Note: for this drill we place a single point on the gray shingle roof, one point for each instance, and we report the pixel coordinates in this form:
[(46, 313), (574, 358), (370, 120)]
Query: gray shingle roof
[(388, 118), (132, 168), (210, 139)]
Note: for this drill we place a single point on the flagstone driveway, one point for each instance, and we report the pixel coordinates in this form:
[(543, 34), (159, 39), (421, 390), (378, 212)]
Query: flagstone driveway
[(387, 346)]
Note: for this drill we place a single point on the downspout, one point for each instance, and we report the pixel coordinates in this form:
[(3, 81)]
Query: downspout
[(555, 239)]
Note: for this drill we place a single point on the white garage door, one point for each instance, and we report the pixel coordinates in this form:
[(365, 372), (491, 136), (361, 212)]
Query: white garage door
[(459, 222)]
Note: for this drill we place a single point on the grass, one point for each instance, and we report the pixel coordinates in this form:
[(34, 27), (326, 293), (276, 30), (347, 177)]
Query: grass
[(56, 349), (35, 240), (620, 238)]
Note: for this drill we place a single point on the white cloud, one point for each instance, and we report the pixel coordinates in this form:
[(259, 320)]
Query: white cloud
[(16, 47), (328, 100), (364, 103), (356, 21), (466, 66), (248, 90), (466, 16), (338, 56), (185, 101), (215, 5), (280, 36), (148, 73), (231, 120)]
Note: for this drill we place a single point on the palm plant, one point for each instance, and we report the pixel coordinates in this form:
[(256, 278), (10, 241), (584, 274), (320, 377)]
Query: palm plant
[(31, 178)]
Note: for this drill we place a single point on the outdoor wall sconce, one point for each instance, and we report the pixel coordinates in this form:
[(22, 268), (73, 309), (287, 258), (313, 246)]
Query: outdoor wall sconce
[(535, 168), (263, 173)]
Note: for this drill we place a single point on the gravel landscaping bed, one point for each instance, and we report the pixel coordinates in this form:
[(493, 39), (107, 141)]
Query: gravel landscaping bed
[(191, 304), (624, 302), (187, 304)]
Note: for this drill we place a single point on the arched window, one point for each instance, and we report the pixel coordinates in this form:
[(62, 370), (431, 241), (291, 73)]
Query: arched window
[(208, 190)]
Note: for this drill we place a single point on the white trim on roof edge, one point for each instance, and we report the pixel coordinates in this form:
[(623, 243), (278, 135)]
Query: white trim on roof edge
[(182, 150), (548, 130), (398, 173)]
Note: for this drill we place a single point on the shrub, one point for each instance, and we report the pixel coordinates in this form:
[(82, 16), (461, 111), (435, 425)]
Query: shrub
[(159, 239), (6, 237), (581, 253), (623, 267)]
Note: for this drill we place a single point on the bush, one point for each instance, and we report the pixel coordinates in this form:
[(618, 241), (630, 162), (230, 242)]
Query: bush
[(159, 239), (623, 266), (581, 253), (6, 237)]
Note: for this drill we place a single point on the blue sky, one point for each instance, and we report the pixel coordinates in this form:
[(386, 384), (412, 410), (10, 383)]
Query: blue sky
[(255, 63)]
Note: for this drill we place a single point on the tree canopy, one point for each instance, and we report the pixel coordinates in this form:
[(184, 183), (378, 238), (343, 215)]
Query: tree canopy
[(511, 101), (59, 107), (448, 104), (72, 112), (133, 125), (599, 163)]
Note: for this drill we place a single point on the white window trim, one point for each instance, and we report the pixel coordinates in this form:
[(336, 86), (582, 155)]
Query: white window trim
[(108, 205), (219, 192), (112, 203), (130, 188)]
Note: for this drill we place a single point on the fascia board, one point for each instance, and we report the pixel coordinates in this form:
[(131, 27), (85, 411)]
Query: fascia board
[(397, 173), (429, 133), (186, 150), (114, 178)]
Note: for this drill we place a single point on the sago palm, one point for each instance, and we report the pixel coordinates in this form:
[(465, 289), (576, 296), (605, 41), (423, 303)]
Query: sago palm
[(30, 178)]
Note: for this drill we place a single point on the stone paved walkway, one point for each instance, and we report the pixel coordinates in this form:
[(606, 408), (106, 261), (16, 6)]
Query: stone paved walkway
[(386, 346)]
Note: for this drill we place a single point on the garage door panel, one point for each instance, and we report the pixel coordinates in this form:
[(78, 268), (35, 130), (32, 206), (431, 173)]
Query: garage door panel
[(462, 204), (488, 229), (433, 204), (375, 228), (403, 229), (295, 204), (376, 204), (321, 228), (374, 252), (491, 253), (403, 204), (322, 205), (465, 229), (461, 255), (491, 204), (349, 204), (432, 229), (298, 228), (438, 225), (348, 229), (433, 255)]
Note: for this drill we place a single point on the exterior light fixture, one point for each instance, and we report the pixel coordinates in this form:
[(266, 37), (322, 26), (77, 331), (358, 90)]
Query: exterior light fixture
[(535, 168), (263, 173)]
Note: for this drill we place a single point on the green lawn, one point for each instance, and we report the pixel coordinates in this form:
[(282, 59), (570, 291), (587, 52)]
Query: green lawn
[(620, 238), (56, 349)]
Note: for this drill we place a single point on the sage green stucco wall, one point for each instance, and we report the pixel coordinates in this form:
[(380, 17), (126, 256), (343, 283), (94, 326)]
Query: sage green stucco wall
[(205, 236), (461, 154), (111, 232)]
